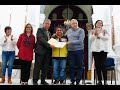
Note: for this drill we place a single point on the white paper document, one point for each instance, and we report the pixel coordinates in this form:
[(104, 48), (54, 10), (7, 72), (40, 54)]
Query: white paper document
[(60, 44), (57, 44)]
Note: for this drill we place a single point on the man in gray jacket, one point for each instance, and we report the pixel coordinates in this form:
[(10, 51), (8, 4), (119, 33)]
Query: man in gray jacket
[(42, 53), (75, 37)]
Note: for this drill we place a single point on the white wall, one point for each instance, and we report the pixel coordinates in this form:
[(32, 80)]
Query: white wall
[(116, 15), (20, 15)]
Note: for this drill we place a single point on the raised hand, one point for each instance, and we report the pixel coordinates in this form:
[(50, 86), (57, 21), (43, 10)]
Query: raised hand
[(12, 38), (5, 39), (68, 42)]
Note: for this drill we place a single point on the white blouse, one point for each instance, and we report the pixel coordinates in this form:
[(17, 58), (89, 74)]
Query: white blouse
[(99, 44), (9, 45)]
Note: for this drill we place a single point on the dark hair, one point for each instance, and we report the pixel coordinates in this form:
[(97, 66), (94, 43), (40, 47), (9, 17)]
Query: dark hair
[(26, 27), (58, 27), (97, 22), (7, 28)]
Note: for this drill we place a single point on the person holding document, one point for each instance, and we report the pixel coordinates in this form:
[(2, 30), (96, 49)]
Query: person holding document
[(59, 56), (56, 43), (75, 51), (42, 53)]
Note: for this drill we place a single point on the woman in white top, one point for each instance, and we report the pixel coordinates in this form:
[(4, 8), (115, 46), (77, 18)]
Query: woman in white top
[(99, 39), (8, 43)]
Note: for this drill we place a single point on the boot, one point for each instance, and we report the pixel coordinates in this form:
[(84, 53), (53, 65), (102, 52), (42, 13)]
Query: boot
[(9, 80), (3, 79)]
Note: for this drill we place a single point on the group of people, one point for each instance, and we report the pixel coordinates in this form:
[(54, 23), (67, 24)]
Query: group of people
[(72, 52)]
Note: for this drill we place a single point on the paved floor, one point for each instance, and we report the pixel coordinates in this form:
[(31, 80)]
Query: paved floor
[(88, 82)]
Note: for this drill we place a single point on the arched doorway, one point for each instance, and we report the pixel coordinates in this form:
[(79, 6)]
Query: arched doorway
[(60, 14)]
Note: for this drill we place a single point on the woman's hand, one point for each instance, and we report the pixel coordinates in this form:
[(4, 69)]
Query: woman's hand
[(5, 39)]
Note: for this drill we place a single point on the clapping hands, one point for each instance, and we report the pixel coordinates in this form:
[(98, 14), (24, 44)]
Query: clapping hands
[(5, 39)]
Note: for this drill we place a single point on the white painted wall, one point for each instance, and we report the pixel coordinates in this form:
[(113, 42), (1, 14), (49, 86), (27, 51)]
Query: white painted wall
[(18, 15)]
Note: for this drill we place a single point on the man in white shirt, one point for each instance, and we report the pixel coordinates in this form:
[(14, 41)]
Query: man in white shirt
[(8, 43)]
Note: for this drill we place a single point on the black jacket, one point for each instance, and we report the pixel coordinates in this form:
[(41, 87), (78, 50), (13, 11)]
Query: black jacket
[(41, 46)]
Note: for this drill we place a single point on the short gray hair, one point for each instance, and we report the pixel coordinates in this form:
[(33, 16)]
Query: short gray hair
[(47, 20), (74, 20)]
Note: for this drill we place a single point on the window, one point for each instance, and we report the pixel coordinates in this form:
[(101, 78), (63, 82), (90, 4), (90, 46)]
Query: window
[(54, 16), (67, 13), (80, 16)]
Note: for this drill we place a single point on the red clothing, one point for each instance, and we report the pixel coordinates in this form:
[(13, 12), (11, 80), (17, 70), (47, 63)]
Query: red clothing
[(25, 52)]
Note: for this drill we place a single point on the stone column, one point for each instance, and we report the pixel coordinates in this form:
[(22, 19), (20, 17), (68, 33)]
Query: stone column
[(113, 33), (89, 27)]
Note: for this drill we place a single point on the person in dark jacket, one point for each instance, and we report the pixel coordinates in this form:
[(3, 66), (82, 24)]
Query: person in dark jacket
[(42, 53)]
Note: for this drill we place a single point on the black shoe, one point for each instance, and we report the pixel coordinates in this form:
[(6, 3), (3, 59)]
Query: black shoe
[(105, 83), (72, 83), (62, 82), (44, 83), (26, 83), (35, 83), (22, 83), (77, 83), (99, 83), (56, 81)]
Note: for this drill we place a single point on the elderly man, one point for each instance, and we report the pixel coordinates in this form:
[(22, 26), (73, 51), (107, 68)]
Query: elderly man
[(42, 53), (75, 51)]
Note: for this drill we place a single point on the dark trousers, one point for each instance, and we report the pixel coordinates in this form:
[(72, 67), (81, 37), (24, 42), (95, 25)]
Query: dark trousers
[(100, 60), (75, 59), (41, 63), (25, 70)]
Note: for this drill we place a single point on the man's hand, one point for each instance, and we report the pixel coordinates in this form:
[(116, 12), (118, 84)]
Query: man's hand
[(52, 46), (68, 43)]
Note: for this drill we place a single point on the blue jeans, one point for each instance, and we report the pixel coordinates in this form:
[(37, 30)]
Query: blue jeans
[(75, 59), (59, 69), (8, 58)]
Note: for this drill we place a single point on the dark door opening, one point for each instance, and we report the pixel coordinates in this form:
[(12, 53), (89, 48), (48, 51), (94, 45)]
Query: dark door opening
[(59, 15)]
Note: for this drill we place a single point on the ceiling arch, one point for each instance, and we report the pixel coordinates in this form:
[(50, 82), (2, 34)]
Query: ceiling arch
[(86, 8)]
